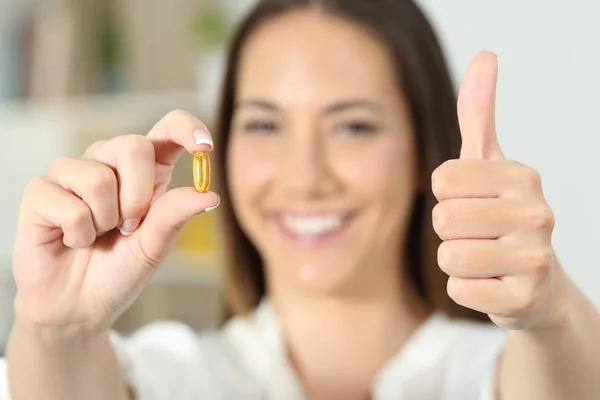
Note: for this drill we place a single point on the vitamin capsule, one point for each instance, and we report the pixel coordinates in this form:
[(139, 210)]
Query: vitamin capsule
[(201, 165)]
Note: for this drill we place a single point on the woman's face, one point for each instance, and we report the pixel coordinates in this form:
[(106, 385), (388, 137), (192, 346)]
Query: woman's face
[(321, 157)]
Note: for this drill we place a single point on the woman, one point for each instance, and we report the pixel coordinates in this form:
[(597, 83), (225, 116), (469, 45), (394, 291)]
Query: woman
[(335, 114)]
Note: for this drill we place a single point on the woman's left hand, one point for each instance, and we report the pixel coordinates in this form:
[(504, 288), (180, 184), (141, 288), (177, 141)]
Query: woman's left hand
[(494, 220)]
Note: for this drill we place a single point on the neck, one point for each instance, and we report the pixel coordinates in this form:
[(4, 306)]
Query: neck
[(338, 343)]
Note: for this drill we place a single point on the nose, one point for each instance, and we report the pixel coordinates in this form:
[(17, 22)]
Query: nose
[(307, 172)]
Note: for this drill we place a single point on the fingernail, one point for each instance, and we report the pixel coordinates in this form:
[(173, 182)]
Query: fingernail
[(208, 209), (129, 226), (202, 137)]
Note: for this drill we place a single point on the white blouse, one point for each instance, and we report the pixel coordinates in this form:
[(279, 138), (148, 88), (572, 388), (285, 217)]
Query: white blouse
[(445, 359)]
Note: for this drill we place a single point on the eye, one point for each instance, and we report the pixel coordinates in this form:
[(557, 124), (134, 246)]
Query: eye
[(356, 128), (260, 126)]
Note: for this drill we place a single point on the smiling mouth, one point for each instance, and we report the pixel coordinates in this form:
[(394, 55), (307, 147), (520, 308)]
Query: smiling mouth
[(312, 229)]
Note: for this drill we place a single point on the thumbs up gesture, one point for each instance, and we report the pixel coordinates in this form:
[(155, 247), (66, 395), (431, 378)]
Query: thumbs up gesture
[(493, 219)]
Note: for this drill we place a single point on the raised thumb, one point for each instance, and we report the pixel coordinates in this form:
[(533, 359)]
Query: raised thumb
[(477, 109)]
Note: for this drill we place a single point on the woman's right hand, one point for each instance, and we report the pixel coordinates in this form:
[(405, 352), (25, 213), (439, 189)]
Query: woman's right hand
[(92, 231)]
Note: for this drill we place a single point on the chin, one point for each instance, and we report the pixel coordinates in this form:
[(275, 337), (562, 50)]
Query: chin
[(319, 278)]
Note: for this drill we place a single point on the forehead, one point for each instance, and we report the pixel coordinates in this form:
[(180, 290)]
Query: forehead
[(303, 55)]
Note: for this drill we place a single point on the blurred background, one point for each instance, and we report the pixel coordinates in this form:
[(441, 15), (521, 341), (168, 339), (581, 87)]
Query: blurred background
[(76, 71)]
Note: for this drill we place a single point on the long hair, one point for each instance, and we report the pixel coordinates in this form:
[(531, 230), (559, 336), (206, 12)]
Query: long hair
[(423, 78)]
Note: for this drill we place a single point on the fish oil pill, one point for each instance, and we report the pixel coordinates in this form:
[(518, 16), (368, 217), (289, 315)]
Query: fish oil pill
[(201, 165)]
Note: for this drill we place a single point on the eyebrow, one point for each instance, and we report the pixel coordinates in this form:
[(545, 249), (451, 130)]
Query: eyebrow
[(350, 104), (331, 109), (257, 103)]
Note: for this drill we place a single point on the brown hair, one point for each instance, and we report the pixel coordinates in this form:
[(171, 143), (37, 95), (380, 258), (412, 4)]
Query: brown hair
[(423, 78)]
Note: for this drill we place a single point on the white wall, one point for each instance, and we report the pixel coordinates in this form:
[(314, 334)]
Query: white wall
[(548, 100)]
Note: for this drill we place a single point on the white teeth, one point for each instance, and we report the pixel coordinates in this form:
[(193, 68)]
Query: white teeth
[(313, 225)]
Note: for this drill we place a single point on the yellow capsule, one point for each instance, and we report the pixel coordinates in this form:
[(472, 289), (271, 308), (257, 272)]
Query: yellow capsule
[(201, 165)]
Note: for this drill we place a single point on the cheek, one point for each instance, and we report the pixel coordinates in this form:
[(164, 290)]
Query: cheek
[(249, 173), (390, 181), (384, 173)]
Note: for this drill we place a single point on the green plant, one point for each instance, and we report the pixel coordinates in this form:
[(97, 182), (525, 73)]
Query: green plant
[(210, 28)]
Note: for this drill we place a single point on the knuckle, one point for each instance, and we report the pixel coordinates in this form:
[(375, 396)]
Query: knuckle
[(531, 177), (524, 302), (525, 175), (93, 148), (58, 163), (136, 144), (541, 218), (539, 258), (178, 117), (76, 216), (178, 114), (33, 186), (102, 179), (33, 193)]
